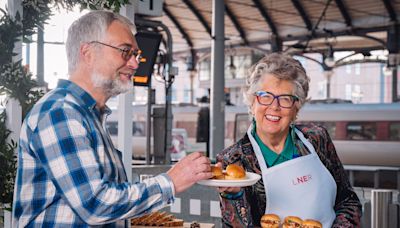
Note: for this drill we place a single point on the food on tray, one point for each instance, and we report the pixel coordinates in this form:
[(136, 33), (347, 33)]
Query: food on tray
[(157, 219), (232, 172), (292, 222), (310, 223), (217, 172), (270, 221)]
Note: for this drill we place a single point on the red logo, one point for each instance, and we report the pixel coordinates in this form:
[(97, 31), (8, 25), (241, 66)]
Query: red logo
[(301, 179)]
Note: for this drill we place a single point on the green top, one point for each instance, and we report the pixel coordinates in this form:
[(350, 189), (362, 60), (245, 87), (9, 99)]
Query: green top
[(272, 158)]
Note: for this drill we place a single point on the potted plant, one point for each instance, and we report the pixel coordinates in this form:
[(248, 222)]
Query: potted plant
[(8, 166)]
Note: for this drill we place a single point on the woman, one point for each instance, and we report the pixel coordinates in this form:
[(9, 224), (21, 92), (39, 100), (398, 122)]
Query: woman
[(301, 172)]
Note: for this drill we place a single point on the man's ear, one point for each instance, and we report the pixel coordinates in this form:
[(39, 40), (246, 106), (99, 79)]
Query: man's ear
[(86, 53)]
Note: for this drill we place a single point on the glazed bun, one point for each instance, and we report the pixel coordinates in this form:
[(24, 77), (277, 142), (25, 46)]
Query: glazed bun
[(270, 221), (234, 172), (292, 222), (217, 172), (309, 223)]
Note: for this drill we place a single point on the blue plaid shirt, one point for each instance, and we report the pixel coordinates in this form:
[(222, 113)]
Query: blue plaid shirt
[(69, 173)]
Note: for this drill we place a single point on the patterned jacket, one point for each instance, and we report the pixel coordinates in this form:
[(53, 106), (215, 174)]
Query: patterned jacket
[(247, 210)]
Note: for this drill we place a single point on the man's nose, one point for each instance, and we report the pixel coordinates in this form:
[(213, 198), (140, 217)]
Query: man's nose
[(133, 63)]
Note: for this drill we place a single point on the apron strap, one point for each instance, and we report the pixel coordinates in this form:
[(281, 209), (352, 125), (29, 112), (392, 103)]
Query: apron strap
[(257, 149), (305, 141)]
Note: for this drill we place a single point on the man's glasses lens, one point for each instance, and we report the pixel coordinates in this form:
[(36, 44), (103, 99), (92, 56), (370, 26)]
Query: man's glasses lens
[(129, 53)]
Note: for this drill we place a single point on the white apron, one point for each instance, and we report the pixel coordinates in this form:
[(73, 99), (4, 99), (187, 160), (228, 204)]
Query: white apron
[(300, 187)]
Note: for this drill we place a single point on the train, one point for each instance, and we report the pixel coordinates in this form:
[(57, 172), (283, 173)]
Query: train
[(363, 134)]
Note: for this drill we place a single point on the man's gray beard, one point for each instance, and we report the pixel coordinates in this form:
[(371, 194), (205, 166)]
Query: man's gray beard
[(110, 87)]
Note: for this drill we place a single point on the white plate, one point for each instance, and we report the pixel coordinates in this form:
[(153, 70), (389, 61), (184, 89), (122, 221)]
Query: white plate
[(251, 178)]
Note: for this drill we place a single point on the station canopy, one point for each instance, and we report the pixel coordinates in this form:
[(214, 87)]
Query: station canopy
[(293, 26)]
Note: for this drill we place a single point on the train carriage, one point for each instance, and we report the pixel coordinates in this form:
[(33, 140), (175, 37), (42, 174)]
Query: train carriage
[(363, 134)]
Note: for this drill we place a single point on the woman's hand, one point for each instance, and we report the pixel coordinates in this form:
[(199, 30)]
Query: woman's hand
[(229, 190)]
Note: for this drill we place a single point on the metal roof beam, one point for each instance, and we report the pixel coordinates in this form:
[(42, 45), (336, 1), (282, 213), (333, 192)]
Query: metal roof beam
[(236, 24), (344, 12), (198, 15), (303, 14), (343, 63), (178, 25), (346, 32), (356, 50), (391, 11), (255, 44), (262, 9)]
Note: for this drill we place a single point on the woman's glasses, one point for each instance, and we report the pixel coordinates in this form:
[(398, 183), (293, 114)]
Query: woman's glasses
[(267, 98), (126, 53)]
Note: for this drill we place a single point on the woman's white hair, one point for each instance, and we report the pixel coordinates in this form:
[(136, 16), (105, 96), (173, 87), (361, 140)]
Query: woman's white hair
[(90, 27), (281, 66)]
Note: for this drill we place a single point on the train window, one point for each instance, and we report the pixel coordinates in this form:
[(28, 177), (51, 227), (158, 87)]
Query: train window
[(138, 128), (112, 127), (242, 123), (329, 126), (361, 131), (394, 131)]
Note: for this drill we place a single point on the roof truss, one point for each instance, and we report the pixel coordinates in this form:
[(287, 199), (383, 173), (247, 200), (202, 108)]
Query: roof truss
[(178, 26), (390, 10), (262, 9), (236, 24), (344, 12), (303, 14), (198, 15)]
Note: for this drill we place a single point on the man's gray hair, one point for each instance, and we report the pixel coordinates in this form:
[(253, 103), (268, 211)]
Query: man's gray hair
[(90, 27), (281, 66)]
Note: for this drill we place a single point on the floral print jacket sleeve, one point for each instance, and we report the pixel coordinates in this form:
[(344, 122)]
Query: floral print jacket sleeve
[(246, 211)]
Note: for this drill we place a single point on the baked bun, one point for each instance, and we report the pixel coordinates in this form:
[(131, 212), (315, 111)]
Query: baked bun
[(270, 221), (234, 172), (292, 222), (217, 172), (310, 223)]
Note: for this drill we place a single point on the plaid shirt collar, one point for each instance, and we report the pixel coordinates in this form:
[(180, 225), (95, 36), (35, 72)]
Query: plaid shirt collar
[(83, 97)]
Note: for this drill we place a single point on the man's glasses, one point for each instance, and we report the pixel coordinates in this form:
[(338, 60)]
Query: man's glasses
[(267, 98), (127, 53)]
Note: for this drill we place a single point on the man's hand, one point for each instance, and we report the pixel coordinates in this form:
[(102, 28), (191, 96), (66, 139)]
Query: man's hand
[(189, 170)]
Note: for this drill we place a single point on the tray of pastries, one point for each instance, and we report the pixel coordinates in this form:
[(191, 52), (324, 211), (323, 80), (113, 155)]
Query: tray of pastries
[(157, 219)]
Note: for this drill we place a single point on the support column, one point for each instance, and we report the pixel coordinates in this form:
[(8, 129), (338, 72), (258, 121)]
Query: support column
[(393, 36), (395, 94), (13, 108), (125, 113), (15, 6), (328, 76), (40, 57), (192, 95), (125, 130), (217, 104), (276, 43)]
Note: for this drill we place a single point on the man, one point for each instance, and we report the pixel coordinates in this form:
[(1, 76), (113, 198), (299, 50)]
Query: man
[(69, 173)]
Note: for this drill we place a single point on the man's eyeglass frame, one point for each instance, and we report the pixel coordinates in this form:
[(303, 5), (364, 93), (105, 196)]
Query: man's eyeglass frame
[(259, 94), (126, 53)]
